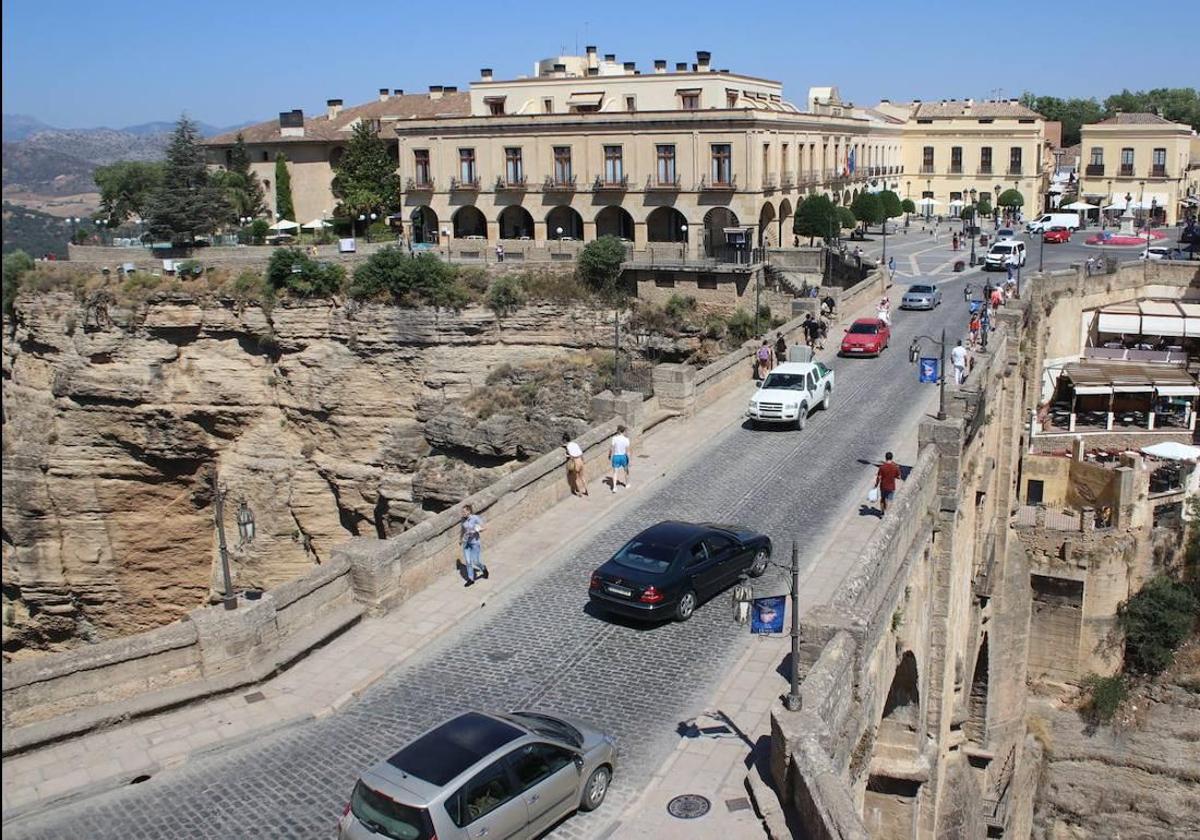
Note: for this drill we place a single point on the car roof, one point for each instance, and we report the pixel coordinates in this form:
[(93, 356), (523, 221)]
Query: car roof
[(445, 752), (920, 286), (794, 367), (872, 321), (672, 532)]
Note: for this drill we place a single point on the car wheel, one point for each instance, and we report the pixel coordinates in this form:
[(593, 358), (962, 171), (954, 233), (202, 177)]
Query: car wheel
[(828, 401), (595, 790), (759, 566), (802, 417), (686, 606)]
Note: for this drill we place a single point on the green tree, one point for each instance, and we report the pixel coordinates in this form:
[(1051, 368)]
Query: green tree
[(186, 204), (891, 204), (984, 206), (1180, 105), (846, 217), (284, 208), (1156, 620), (242, 186), (816, 216), (365, 179), (908, 206), (1010, 198), (16, 265), (409, 281), (295, 271), (867, 208), (967, 214), (599, 266), (126, 188), (1072, 113), (505, 295)]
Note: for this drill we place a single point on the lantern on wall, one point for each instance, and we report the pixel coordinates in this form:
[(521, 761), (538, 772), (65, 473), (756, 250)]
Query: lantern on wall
[(245, 523)]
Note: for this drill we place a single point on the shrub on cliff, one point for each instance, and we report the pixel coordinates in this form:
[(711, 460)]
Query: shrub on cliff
[(16, 265), (505, 295), (1156, 620), (409, 281), (292, 270), (599, 265)]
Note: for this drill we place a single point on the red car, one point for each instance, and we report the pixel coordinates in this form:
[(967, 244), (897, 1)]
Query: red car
[(1057, 234), (866, 337)]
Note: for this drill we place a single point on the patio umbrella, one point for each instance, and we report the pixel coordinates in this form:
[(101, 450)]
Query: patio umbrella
[(1171, 450), (1080, 205), (284, 224), (928, 201), (315, 224)]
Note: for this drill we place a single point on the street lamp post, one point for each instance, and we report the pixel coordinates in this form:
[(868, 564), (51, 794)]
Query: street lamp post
[(1146, 256), (229, 599), (373, 218), (558, 230), (792, 701), (446, 238), (915, 348)]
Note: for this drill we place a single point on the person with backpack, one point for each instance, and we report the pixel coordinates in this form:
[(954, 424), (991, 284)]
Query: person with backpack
[(812, 331), (781, 348), (763, 356)]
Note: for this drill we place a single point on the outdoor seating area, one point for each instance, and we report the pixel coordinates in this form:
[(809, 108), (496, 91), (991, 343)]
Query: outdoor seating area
[(1162, 331), (1121, 396)]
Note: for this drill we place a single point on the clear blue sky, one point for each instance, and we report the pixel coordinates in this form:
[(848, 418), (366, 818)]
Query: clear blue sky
[(115, 62)]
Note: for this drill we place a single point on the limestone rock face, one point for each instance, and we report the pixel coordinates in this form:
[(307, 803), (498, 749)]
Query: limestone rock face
[(115, 416)]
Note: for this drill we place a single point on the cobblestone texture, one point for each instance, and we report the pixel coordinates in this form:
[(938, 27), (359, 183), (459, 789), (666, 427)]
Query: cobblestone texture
[(540, 646)]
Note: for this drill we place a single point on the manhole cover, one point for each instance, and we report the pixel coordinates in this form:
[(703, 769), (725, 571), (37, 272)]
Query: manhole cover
[(688, 807)]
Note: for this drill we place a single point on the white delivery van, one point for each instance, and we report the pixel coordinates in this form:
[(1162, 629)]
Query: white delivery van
[(1002, 253), (1043, 223)]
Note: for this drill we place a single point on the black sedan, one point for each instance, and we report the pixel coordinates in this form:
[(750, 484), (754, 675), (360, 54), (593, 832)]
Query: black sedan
[(666, 570)]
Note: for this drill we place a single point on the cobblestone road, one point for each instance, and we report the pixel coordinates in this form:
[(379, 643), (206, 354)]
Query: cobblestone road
[(538, 647)]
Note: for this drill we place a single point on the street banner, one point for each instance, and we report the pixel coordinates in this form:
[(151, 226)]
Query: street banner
[(929, 369), (767, 616)]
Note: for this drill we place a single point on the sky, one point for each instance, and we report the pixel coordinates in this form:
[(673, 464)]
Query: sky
[(116, 63)]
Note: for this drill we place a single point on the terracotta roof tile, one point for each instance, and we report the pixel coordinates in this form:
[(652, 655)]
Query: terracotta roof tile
[(1135, 119), (985, 110), (406, 106)]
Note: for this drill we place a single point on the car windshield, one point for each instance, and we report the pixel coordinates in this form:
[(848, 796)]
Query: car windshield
[(785, 381), (864, 329), (920, 290), (644, 556), (550, 727), (1057, 229), (1002, 249), (387, 817)]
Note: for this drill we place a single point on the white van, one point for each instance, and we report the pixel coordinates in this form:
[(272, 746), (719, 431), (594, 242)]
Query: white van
[(1043, 223), (999, 255)]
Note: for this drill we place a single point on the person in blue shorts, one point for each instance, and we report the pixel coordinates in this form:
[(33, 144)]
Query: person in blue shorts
[(618, 455)]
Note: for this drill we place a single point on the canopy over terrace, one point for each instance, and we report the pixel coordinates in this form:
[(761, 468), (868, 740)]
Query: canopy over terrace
[(1145, 330), (1137, 396)]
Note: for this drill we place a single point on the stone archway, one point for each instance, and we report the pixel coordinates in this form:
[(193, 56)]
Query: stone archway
[(766, 226), (566, 218), (901, 722), (424, 225), (666, 224), (975, 727), (785, 221), (515, 223), (469, 221), (614, 221), (715, 222)]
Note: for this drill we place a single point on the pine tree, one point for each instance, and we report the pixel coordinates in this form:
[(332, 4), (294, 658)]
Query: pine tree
[(365, 179), (284, 208), (187, 204), (248, 197)]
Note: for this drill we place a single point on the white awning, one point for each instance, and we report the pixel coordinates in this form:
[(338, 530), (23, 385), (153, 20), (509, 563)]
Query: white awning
[(1085, 390), (1173, 451), (1115, 323), (1139, 388), (1177, 390), (588, 99), (1160, 325)]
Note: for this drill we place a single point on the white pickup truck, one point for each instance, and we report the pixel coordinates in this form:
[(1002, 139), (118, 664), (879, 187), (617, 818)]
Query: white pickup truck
[(789, 392)]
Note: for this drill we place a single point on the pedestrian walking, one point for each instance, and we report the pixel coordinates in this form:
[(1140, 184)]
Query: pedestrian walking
[(958, 359), (576, 480), (885, 480), (763, 357), (812, 331), (618, 456), (974, 328), (499, 252), (891, 268), (997, 298), (822, 331), (469, 531), (884, 311), (781, 348), (954, 242), (967, 293)]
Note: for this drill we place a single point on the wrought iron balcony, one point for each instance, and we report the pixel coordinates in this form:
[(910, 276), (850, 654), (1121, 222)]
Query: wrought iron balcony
[(787, 181), (1126, 170), (707, 185), (926, 168), (669, 184), (956, 169), (552, 184), (1014, 170), (768, 182), (1094, 170), (984, 170), (511, 185), (1158, 171), (602, 184), (464, 184), (419, 185)]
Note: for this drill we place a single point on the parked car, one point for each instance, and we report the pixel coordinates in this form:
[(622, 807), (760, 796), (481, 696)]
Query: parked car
[(998, 255), (866, 337), (1048, 220), (1057, 234), (789, 392), (921, 296), (667, 570), (1005, 233), (483, 775), (1164, 252)]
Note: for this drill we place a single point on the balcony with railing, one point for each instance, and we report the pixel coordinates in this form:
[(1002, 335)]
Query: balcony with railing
[(669, 183), (956, 169), (984, 169), (926, 168), (424, 184), (769, 182), (707, 184), (1094, 170), (787, 181), (558, 184), (1158, 171), (464, 184), (603, 184), (1126, 170), (517, 184), (1015, 170)]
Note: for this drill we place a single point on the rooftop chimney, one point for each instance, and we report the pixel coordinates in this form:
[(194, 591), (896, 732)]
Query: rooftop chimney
[(450, 89), (592, 60), (590, 49), (435, 91), (333, 107), (291, 123), (486, 74), (560, 70), (593, 71), (397, 91), (611, 57), (702, 59), (630, 66), (660, 65), (680, 66), (383, 94)]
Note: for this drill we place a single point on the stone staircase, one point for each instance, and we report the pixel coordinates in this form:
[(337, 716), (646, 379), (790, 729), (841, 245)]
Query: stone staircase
[(791, 282)]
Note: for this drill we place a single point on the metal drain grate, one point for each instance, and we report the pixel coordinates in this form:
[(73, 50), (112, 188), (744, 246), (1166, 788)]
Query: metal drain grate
[(689, 806)]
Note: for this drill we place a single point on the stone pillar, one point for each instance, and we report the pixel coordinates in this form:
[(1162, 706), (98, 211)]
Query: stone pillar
[(589, 230), (1150, 421), (628, 405), (541, 231), (639, 236), (493, 232), (1109, 421), (1077, 448), (235, 640), (675, 387)]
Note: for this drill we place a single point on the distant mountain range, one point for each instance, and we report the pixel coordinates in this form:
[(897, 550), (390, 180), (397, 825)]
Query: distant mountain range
[(19, 127)]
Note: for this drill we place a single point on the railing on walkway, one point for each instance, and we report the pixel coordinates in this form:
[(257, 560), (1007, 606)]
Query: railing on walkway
[(995, 808)]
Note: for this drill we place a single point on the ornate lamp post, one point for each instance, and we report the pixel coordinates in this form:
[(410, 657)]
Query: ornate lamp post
[(558, 231), (914, 350), (446, 237), (230, 597), (974, 227)]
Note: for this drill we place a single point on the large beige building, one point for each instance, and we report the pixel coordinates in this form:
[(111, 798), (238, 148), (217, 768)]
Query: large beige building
[(1153, 161)]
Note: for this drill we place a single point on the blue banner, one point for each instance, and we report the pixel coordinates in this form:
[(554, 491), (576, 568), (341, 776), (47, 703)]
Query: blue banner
[(929, 368), (767, 615)]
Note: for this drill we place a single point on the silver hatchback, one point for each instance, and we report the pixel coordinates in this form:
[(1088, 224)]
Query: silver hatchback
[(483, 775), (921, 296)]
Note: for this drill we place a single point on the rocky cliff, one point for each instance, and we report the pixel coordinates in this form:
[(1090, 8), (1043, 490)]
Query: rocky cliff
[(325, 420)]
